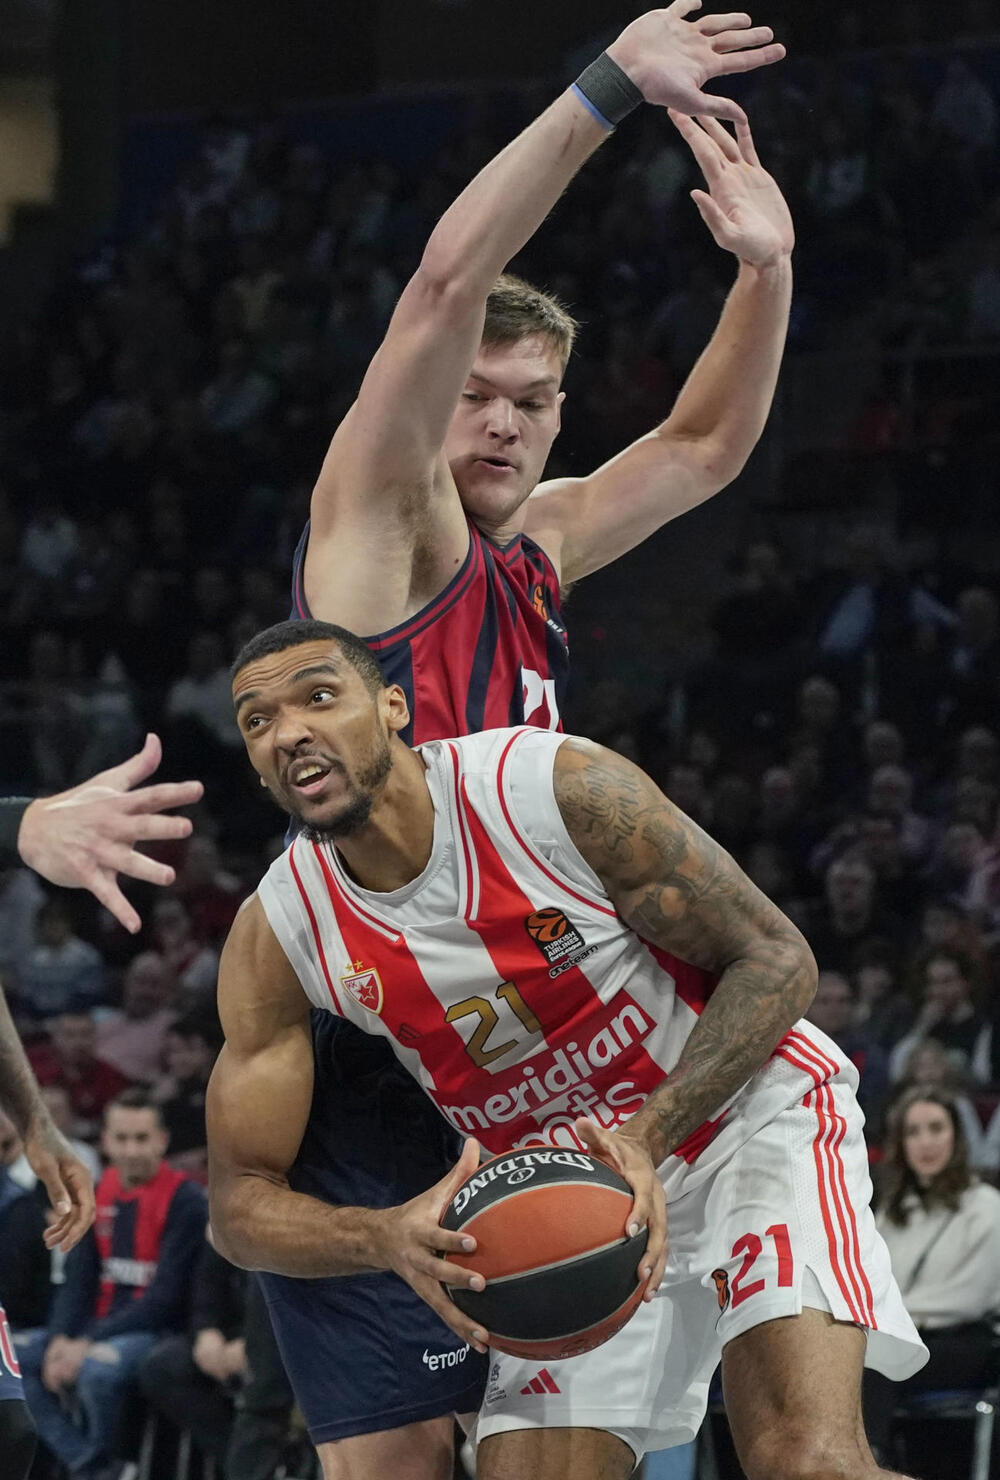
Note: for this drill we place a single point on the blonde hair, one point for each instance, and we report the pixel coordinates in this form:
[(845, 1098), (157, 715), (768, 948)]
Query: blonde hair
[(515, 309)]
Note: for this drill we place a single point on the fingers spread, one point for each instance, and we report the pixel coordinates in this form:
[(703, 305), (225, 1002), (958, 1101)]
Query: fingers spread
[(730, 41), (104, 889), (749, 61), (684, 7), (712, 25), (722, 138), (137, 767), (155, 826), (714, 107), (744, 139), (136, 865), (165, 795)]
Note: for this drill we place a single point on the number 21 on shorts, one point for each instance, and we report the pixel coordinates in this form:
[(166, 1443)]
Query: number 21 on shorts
[(751, 1246)]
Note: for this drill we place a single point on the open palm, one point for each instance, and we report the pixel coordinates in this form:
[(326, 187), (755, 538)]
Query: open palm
[(670, 58), (743, 207)]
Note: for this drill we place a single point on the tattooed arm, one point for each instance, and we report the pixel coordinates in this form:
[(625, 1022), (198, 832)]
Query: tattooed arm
[(49, 1154), (681, 891)]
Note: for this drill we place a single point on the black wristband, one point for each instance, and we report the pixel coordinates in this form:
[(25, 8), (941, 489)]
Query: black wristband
[(608, 92), (12, 809)]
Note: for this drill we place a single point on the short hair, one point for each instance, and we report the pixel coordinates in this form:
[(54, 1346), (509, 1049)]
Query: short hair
[(135, 1097), (297, 631), (514, 309)]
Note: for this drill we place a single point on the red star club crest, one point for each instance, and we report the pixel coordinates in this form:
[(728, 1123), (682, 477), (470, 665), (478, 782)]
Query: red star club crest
[(364, 985)]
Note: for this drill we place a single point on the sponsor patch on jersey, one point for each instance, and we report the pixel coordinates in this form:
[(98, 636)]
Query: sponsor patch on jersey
[(365, 986), (553, 934)]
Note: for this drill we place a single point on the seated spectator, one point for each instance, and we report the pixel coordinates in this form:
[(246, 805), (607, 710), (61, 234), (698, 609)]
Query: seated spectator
[(126, 1286), (133, 1037), (881, 1009), (21, 899), (942, 1228), (890, 794), (947, 1013), (850, 917), (69, 1058), (192, 1047), (193, 1378), (62, 973), (211, 894), (931, 1065), (194, 965), (833, 1010), (880, 840)]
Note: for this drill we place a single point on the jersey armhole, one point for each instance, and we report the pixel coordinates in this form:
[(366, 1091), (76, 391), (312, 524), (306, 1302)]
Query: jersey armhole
[(535, 811)]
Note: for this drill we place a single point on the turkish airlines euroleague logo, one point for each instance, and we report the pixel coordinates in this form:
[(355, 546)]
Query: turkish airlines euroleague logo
[(553, 934)]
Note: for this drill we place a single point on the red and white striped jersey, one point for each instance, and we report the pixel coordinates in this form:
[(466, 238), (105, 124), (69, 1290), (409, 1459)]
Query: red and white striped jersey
[(502, 975)]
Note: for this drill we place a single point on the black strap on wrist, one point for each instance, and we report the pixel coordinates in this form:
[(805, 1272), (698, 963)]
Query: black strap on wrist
[(12, 809), (607, 91)]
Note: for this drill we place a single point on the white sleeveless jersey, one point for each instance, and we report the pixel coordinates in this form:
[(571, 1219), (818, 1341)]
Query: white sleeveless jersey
[(505, 980)]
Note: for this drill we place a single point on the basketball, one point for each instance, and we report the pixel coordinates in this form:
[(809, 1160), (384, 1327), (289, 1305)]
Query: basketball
[(547, 925), (560, 1270)]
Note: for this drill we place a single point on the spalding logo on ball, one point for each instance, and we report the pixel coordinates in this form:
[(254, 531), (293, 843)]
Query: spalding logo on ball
[(561, 1273)]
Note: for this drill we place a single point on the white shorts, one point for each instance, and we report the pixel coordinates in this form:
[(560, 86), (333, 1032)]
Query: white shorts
[(784, 1222)]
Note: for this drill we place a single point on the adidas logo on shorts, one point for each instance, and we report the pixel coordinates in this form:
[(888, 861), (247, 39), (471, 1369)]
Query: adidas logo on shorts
[(543, 1383)]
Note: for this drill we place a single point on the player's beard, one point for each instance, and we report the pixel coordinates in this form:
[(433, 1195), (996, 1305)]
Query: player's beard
[(355, 813)]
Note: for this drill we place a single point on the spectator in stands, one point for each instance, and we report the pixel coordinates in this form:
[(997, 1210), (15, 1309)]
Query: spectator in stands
[(132, 1037), (880, 840), (126, 1285), (21, 898), (931, 1065), (192, 1046), (974, 663), (948, 1013), (69, 1058), (193, 1378), (850, 917), (193, 965), (240, 393), (942, 1228), (211, 894), (834, 1011), (890, 793), (882, 1010), (62, 974)]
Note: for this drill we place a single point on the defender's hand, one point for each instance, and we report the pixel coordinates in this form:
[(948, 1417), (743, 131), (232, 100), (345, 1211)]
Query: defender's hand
[(670, 59), (630, 1157), (416, 1246), (743, 209), (83, 838)]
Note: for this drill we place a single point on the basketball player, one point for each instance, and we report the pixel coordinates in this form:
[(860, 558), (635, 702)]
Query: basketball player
[(663, 1033), (79, 839), (421, 533)]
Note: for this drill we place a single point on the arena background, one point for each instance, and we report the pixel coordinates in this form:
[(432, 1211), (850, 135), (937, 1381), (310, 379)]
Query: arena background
[(206, 215)]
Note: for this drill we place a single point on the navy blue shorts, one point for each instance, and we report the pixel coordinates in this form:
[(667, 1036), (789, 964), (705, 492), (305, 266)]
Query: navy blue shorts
[(10, 1372), (363, 1352)]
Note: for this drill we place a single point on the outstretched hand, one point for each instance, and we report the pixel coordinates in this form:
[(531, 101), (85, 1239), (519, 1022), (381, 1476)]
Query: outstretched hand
[(743, 207), (670, 58), (83, 838), (417, 1248)]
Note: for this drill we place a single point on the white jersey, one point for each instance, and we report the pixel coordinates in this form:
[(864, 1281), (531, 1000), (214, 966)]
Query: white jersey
[(505, 980)]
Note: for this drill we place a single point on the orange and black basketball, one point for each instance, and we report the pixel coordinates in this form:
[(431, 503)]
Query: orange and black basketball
[(560, 1270), (547, 925)]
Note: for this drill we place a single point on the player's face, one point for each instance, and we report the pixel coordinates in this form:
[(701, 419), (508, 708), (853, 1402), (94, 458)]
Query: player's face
[(503, 429), (316, 734)]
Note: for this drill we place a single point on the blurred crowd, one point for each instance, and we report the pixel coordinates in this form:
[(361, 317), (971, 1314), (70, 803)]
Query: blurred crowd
[(162, 422)]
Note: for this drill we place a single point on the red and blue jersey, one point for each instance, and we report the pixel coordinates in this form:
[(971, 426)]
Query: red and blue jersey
[(489, 651)]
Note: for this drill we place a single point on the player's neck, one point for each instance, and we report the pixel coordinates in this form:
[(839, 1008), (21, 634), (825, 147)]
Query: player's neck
[(503, 533), (394, 846)]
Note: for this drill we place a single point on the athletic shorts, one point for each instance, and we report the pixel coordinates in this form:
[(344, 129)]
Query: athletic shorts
[(364, 1353), (10, 1372), (784, 1222)]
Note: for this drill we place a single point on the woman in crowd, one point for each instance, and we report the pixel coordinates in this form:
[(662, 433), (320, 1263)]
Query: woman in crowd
[(942, 1227)]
